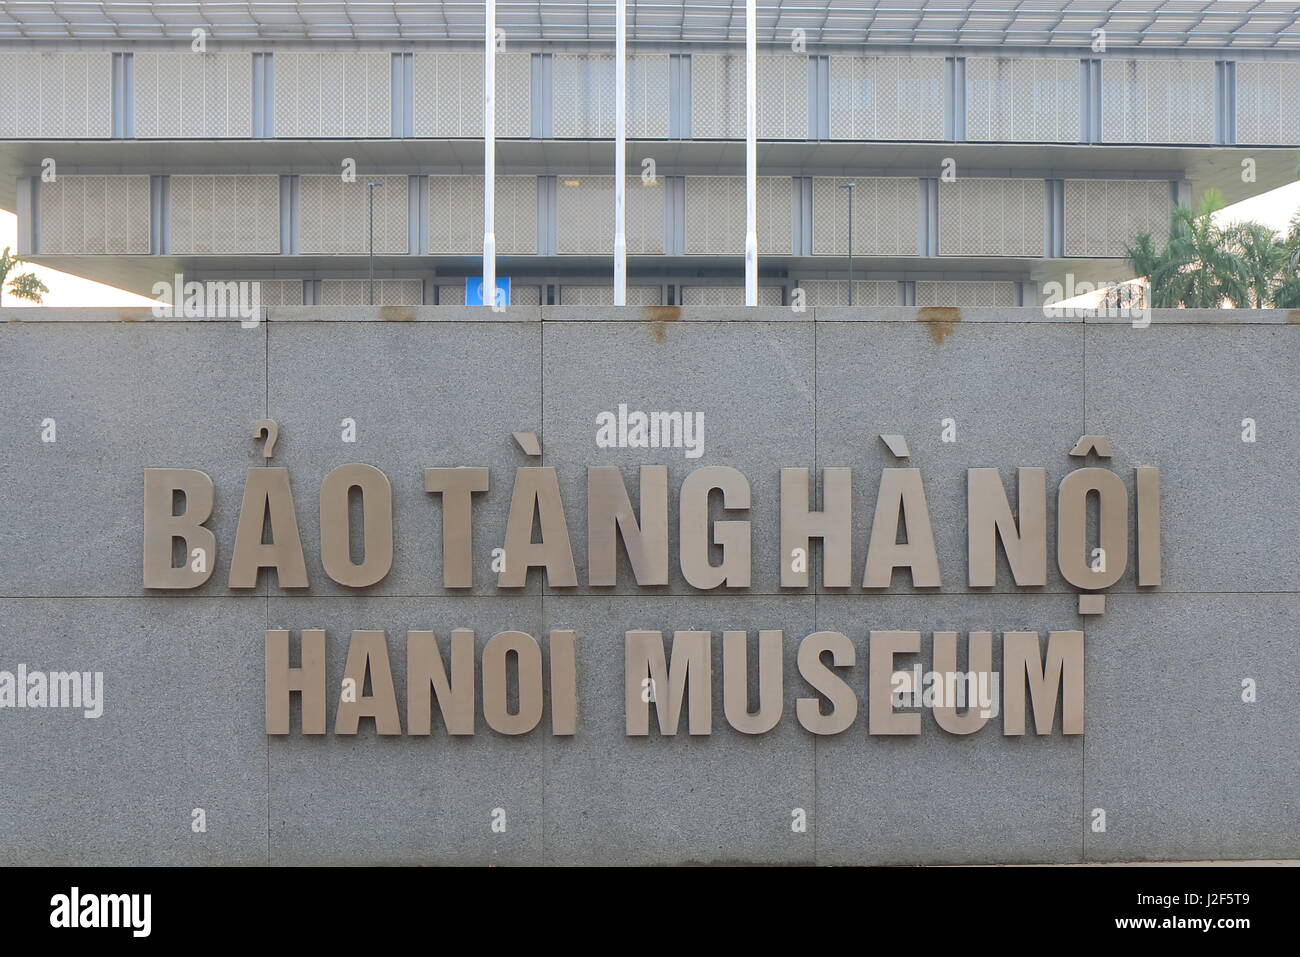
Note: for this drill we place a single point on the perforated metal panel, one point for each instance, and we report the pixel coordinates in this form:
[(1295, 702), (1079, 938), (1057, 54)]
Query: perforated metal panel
[(356, 292), (782, 89), (604, 295), (582, 95), (332, 94), (449, 94), (193, 95), (224, 214), (886, 213), (584, 209), (449, 295), (456, 214), (973, 294), (991, 217), (648, 95), (1157, 101), (1268, 103), (279, 292), (274, 292), (333, 217), (886, 98), (718, 96), (715, 215), (728, 295), (1024, 100), (94, 214), (835, 292), (56, 95), (1102, 215)]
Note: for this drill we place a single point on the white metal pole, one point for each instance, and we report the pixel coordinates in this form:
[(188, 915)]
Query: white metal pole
[(620, 155), (489, 152), (751, 157)]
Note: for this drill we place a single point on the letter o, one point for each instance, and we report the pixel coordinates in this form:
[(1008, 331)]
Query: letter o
[(1072, 531), (495, 661), (336, 527)]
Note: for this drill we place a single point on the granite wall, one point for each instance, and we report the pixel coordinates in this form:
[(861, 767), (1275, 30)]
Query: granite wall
[(1182, 766)]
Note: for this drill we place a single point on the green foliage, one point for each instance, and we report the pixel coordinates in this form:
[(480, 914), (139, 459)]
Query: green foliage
[(1206, 266), (23, 285)]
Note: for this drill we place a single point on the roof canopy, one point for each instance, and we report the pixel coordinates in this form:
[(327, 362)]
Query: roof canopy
[(1128, 23)]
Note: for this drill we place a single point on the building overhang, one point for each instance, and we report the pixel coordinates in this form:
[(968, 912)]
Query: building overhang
[(1202, 166)]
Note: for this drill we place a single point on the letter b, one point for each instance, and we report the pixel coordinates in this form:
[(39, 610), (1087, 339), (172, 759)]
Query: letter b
[(162, 527)]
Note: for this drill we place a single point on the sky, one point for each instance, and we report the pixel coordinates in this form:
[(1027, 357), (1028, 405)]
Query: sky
[(65, 289), (1274, 208)]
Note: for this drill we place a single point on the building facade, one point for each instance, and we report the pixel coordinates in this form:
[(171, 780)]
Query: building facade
[(983, 163)]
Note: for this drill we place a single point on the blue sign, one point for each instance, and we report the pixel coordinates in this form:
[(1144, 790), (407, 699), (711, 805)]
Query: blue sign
[(474, 291)]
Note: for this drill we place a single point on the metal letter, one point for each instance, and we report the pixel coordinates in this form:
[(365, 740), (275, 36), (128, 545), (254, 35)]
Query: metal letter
[(1072, 531), (833, 525), (609, 513), (308, 679), (979, 660), (881, 716), (266, 493), (457, 487), (844, 703), (643, 657), (336, 529), (368, 654), (901, 492), (693, 534), (537, 492), (564, 682), (528, 656), (989, 517), (1023, 670), (735, 681), (425, 672), (1148, 525), (162, 528)]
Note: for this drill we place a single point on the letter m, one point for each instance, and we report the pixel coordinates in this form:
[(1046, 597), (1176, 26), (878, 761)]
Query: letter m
[(691, 669), (1027, 675), (223, 298)]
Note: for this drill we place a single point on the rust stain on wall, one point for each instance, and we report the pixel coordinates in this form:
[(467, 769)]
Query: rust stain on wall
[(396, 314), (657, 316), (942, 321)]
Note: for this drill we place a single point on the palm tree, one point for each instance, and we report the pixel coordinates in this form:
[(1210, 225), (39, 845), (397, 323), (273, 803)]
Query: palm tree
[(1263, 255), (1287, 293), (24, 285), (1157, 267), (1200, 266)]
